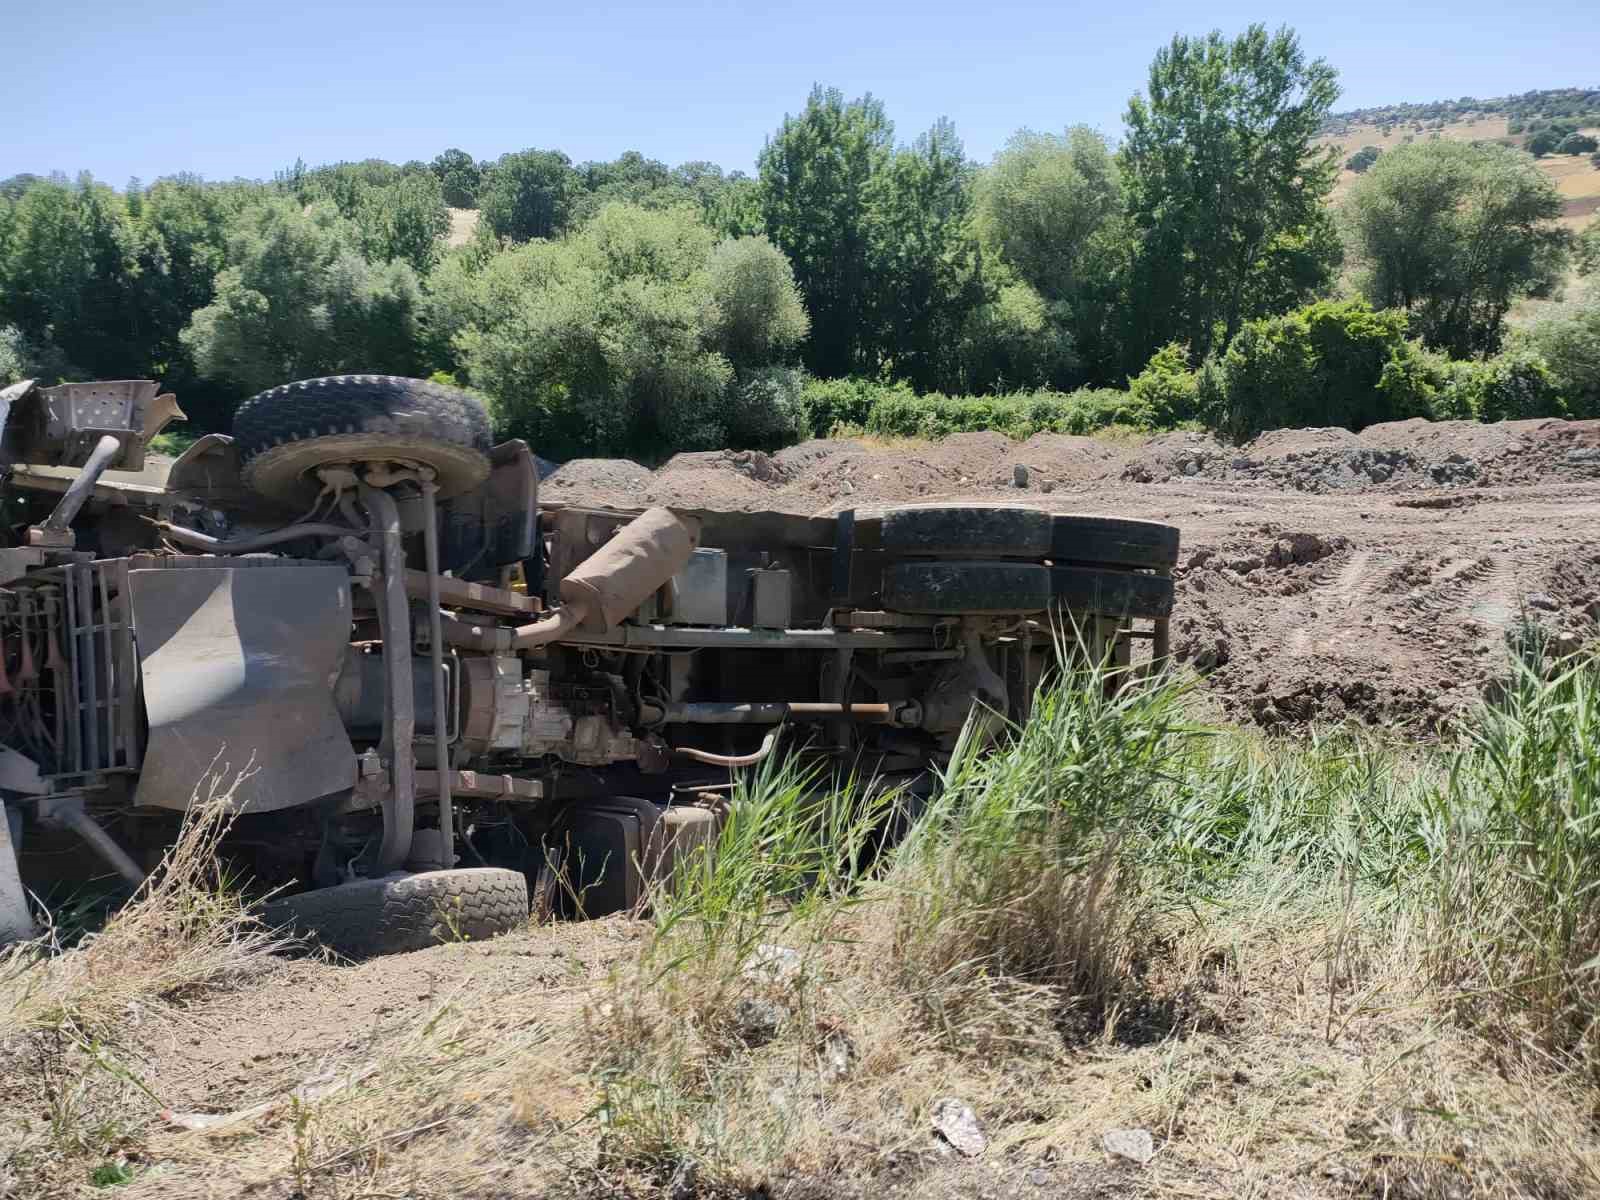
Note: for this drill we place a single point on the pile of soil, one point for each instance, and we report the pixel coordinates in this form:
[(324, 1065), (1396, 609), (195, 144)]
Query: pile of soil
[(1325, 574)]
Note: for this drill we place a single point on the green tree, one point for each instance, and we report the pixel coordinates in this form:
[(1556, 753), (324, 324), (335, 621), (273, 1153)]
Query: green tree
[(818, 175), (1040, 202), (1048, 209), (923, 281), (1362, 159), (458, 178), (1577, 143), (629, 179), (181, 239), (638, 333), (734, 210), (759, 317), (297, 299), (1220, 168), (1543, 142), (1454, 233), (529, 195), (69, 276), (1014, 339), (403, 220)]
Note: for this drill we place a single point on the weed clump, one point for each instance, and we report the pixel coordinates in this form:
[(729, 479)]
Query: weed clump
[(1512, 890)]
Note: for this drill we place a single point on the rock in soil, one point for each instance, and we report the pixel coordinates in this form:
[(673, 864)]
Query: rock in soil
[(1131, 1145), (957, 1124)]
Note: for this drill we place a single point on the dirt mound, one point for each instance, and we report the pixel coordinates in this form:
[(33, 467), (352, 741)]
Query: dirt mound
[(829, 476), (1057, 459), (1178, 455), (590, 480)]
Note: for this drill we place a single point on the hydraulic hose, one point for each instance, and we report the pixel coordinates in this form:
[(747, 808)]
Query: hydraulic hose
[(249, 545)]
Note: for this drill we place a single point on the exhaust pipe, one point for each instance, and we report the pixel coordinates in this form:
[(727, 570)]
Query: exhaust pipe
[(610, 585)]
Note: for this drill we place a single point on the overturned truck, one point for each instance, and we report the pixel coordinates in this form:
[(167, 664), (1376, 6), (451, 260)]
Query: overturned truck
[(446, 698)]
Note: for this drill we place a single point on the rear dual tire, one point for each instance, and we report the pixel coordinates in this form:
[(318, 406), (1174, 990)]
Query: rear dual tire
[(974, 531)]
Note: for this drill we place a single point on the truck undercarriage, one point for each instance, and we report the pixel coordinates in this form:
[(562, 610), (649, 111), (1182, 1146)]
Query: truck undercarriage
[(439, 689)]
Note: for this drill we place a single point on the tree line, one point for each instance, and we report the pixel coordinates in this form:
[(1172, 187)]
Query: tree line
[(1541, 104), (632, 307)]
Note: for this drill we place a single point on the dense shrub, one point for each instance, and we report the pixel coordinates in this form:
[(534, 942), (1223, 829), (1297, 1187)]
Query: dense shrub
[(23, 358), (13, 355), (626, 336), (1569, 344), (1019, 415), (1320, 365), (765, 408), (1362, 159), (1513, 386), (832, 404), (1542, 143), (1587, 250), (1167, 387), (1577, 143)]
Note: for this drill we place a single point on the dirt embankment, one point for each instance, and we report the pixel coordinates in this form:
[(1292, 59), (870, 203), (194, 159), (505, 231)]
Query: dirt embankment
[(1324, 573)]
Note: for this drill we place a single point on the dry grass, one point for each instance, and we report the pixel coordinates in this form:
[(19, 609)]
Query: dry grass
[(71, 1019), (1119, 922), (1271, 1052)]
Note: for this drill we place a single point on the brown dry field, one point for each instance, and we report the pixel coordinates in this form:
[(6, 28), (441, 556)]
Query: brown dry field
[(1575, 178), (463, 221)]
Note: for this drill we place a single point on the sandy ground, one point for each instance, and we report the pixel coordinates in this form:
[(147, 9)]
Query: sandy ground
[(1323, 574)]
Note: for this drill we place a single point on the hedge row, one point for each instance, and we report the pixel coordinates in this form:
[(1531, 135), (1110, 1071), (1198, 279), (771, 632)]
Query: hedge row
[(843, 406), (1333, 363)]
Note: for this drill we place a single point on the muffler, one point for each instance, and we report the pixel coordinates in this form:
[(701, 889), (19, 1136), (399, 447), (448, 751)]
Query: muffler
[(608, 587)]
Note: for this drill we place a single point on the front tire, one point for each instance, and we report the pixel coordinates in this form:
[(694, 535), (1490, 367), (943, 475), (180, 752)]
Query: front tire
[(285, 434), (372, 917)]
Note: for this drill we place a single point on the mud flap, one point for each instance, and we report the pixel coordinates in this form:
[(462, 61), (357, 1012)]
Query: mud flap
[(238, 666)]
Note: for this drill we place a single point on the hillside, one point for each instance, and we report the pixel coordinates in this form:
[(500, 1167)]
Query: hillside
[(1575, 176), (1530, 107)]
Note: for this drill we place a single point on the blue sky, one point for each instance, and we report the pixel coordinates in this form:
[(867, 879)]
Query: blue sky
[(231, 88)]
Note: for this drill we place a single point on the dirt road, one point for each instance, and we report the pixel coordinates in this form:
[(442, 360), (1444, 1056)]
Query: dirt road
[(1323, 574)]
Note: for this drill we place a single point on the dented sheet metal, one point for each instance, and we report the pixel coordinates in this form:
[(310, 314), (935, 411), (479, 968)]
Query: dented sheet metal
[(239, 665)]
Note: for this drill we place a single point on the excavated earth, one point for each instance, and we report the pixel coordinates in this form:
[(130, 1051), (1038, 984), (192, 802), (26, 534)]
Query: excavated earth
[(1324, 574)]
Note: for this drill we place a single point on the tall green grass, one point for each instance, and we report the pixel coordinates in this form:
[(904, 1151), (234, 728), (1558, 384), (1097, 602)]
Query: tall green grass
[(1493, 836), (1021, 890), (1054, 870), (1512, 852)]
